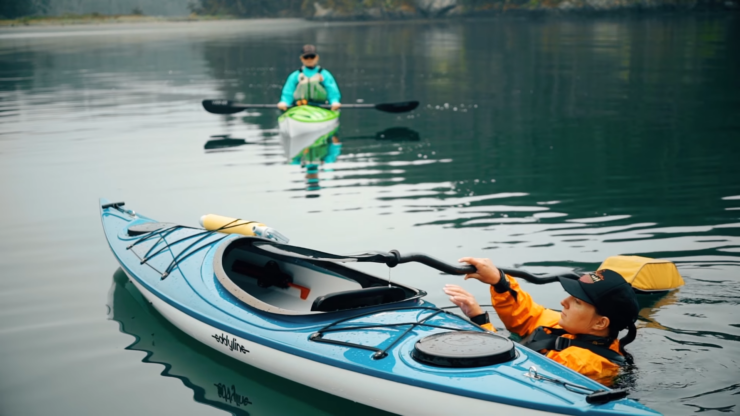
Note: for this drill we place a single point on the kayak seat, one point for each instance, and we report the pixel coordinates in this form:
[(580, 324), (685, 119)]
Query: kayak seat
[(359, 298)]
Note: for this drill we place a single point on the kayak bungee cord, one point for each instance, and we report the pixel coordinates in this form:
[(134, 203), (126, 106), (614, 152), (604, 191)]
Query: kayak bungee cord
[(163, 232), (160, 232), (381, 353), (205, 232), (178, 258)]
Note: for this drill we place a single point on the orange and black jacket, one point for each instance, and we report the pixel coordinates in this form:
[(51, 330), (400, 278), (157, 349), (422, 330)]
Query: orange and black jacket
[(522, 316)]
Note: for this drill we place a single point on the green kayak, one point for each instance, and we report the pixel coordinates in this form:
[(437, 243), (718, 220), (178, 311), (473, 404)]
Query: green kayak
[(301, 126)]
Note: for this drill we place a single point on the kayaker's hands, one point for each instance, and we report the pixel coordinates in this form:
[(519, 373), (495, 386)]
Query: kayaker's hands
[(463, 299), (335, 106), (283, 106), (486, 272)]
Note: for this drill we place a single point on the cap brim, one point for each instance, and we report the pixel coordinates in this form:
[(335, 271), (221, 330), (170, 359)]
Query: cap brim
[(573, 287)]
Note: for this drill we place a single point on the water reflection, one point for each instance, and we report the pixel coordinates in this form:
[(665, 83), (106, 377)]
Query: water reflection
[(315, 158), (222, 143), (326, 149), (392, 134), (216, 380)]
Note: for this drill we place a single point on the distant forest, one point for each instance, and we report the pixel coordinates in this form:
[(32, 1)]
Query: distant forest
[(333, 9), (255, 8), (252, 8), (12, 9)]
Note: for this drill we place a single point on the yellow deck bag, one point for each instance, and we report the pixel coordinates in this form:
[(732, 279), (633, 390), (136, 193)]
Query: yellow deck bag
[(229, 225), (645, 274)]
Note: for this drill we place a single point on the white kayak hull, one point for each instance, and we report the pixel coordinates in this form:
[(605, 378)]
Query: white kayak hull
[(379, 393)]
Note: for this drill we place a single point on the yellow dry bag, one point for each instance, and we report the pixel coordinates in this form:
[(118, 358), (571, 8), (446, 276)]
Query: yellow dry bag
[(645, 274)]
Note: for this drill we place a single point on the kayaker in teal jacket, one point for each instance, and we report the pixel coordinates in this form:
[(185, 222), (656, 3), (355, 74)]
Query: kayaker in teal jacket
[(310, 84)]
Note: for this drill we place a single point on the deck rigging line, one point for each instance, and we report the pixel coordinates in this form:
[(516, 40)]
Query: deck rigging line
[(162, 233), (382, 353)]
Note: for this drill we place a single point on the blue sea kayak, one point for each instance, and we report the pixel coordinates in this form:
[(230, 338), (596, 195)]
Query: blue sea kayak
[(340, 330)]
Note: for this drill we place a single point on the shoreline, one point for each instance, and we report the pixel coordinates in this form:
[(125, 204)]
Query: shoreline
[(134, 21), (149, 26)]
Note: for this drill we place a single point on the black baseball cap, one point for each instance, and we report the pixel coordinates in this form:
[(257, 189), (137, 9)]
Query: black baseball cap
[(308, 50), (607, 290)]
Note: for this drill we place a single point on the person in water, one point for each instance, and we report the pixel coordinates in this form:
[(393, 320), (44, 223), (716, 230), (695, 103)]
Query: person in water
[(583, 337), (310, 84)]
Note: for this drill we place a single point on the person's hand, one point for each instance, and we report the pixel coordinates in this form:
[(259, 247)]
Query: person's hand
[(486, 272), (283, 106), (464, 300), (335, 106)]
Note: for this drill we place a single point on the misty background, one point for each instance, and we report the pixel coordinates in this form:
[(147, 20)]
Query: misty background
[(18, 8)]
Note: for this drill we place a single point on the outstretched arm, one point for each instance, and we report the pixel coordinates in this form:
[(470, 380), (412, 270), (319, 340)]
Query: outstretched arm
[(519, 313)]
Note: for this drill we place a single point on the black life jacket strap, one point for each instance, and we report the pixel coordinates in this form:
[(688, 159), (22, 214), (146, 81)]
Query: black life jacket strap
[(540, 339)]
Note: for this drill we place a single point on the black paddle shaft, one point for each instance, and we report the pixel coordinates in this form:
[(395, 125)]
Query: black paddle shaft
[(230, 107), (467, 268), (394, 258)]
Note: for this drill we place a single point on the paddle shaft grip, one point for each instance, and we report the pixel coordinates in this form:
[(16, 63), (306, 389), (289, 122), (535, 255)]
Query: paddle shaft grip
[(539, 280)]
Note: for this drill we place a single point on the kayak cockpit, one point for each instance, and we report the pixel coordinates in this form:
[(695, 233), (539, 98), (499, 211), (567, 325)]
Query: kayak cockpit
[(288, 286)]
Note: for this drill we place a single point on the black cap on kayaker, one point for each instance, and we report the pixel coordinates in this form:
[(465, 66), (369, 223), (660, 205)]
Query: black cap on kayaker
[(308, 50), (606, 290)]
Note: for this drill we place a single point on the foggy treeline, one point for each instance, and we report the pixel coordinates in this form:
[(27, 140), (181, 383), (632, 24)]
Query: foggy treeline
[(348, 9), (254, 8), (11, 9)]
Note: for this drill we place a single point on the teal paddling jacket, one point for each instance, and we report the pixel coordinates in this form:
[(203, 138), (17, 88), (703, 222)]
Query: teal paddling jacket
[(332, 89)]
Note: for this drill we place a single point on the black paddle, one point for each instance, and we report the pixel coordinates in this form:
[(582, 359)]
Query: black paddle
[(230, 107), (394, 258)]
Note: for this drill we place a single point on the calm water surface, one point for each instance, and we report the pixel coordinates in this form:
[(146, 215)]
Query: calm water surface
[(543, 144)]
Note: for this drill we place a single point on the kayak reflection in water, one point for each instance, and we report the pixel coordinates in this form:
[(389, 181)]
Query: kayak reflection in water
[(314, 157), (583, 337), (310, 84)]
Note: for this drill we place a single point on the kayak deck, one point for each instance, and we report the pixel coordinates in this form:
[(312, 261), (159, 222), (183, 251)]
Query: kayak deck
[(309, 114)]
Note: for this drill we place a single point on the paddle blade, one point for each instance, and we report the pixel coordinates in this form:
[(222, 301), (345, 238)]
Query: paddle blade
[(220, 107), (401, 107)]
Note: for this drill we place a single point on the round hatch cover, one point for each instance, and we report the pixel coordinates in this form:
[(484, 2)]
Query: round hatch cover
[(147, 227), (464, 349)]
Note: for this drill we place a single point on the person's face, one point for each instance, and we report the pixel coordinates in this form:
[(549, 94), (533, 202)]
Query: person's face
[(310, 60), (579, 317)]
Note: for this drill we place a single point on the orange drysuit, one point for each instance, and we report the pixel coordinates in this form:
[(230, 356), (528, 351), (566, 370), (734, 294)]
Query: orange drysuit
[(522, 316)]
